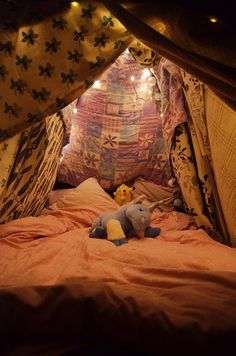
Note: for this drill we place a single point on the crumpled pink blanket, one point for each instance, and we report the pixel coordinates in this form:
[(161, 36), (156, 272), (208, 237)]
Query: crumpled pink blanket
[(173, 292)]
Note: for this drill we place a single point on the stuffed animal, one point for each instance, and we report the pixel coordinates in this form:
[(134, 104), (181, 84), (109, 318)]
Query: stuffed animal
[(132, 219), (178, 202), (123, 194)]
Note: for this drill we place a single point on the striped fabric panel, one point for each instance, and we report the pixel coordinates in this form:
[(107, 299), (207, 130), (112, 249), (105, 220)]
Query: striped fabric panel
[(221, 122), (34, 171)]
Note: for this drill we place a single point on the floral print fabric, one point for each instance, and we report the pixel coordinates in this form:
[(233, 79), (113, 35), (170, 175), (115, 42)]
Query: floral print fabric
[(170, 83), (31, 169), (116, 133), (45, 65), (191, 160)]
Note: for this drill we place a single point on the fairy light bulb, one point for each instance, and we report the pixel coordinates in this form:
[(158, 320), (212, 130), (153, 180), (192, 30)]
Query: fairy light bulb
[(146, 73), (151, 81), (132, 78), (74, 3), (97, 84), (75, 110), (213, 19), (127, 51)]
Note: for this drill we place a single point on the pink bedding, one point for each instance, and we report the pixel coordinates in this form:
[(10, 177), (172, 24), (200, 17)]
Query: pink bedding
[(171, 293)]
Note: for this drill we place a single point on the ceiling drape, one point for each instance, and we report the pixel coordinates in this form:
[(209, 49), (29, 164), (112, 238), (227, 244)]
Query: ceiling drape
[(51, 52), (205, 49)]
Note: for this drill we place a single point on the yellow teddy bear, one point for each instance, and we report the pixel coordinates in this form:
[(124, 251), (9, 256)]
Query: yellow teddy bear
[(123, 194)]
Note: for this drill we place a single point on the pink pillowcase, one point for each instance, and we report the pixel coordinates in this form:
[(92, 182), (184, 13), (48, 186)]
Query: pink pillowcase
[(88, 193), (91, 193), (56, 195)]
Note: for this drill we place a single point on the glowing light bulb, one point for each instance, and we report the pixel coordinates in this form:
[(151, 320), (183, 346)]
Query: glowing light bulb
[(135, 100), (97, 84), (75, 110), (127, 50), (149, 92), (151, 81), (74, 3), (132, 78), (146, 73), (162, 115), (213, 19)]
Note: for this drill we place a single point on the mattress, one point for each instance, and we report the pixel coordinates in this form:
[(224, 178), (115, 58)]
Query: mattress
[(61, 290)]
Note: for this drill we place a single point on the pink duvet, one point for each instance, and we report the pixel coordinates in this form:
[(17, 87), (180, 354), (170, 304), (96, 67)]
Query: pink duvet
[(172, 292)]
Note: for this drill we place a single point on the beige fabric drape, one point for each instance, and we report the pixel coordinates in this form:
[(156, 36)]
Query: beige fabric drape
[(185, 170), (194, 94), (196, 165), (221, 125)]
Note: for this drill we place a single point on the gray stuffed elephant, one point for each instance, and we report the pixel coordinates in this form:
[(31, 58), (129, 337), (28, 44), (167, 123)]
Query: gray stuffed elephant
[(132, 219)]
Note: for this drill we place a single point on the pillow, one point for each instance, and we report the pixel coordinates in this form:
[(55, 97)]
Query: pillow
[(114, 138), (154, 192), (58, 194), (88, 193)]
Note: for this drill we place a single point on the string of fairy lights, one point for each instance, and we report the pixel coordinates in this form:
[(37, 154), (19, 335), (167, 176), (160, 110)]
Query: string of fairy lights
[(153, 90), (150, 89)]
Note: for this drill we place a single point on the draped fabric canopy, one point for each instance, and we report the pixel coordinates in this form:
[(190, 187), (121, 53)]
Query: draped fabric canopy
[(200, 44), (51, 52), (46, 62)]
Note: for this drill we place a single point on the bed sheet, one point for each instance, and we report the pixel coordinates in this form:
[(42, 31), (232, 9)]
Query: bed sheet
[(175, 292)]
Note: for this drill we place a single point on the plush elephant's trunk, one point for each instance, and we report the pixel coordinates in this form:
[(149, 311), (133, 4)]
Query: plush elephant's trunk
[(140, 219), (140, 234), (139, 229)]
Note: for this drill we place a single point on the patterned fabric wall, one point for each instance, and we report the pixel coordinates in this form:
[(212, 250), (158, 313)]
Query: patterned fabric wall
[(221, 124), (194, 94), (191, 160), (45, 65), (117, 131), (185, 170), (172, 97), (32, 162)]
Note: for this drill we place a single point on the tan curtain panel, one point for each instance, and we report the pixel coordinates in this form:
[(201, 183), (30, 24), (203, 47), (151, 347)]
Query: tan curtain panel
[(185, 171), (221, 124), (196, 170), (194, 94)]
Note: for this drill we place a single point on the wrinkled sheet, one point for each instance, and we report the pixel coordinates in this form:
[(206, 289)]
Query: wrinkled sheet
[(174, 292)]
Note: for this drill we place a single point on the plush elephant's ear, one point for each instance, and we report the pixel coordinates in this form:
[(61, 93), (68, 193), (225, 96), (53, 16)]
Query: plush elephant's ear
[(139, 199), (153, 206)]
